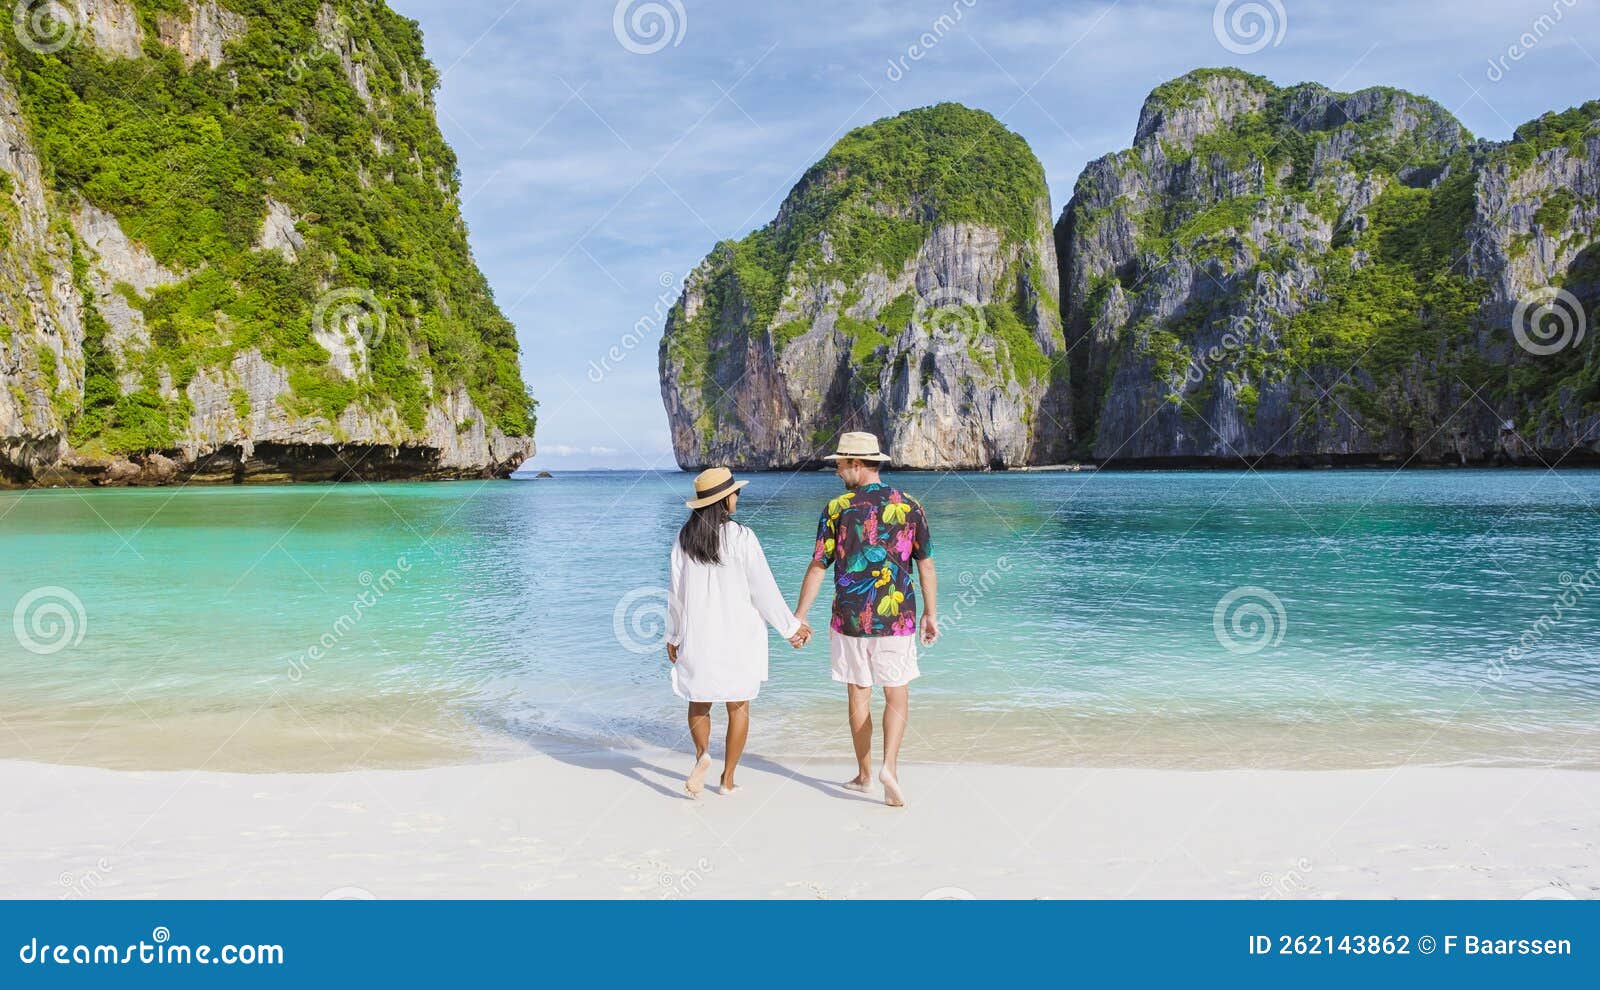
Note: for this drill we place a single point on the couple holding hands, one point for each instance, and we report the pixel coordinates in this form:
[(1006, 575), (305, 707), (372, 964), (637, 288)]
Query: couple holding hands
[(722, 596)]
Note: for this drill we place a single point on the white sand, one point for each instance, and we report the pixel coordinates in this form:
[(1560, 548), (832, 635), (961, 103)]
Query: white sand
[(609, 825)]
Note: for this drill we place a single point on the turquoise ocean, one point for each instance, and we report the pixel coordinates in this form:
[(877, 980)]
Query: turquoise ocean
[(1193, 619)]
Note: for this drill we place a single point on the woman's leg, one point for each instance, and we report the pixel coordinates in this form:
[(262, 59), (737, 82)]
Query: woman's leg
[(738, 732), (700, 726), (700, 732)]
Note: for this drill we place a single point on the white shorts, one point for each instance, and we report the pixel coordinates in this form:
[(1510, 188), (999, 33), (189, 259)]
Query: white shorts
[(867, 661)]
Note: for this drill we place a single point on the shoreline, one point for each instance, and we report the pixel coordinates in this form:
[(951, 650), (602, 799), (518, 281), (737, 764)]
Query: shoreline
[(1564, 461), (408, 735), (604, 824), (1559, 461), (261, 463)]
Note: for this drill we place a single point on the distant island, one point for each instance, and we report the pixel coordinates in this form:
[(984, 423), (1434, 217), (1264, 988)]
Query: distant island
[(233, 251), (1270, 275)]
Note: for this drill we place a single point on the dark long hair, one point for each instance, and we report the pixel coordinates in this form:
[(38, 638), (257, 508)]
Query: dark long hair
[(701, 535)]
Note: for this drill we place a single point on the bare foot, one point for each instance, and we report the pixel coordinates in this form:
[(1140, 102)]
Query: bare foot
[(726, 785), (861, 783), (892, 795), (697, 777)]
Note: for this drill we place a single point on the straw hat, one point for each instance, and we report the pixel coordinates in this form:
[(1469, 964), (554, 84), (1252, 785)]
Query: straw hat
[(713, 485), (858, 446)]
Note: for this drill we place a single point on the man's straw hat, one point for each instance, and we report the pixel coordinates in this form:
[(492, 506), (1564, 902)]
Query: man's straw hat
[(713, 485), (858, 446)]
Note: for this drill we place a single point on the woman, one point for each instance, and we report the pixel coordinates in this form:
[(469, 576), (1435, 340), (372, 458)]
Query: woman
[(721, 599)]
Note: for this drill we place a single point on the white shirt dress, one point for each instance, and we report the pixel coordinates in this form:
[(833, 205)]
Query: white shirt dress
[(717, 616)]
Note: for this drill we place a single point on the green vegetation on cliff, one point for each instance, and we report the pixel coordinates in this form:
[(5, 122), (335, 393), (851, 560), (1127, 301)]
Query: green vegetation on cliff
[(1268, 177), (187, 157), (1406, 302), (869, 204), (1568, 129)]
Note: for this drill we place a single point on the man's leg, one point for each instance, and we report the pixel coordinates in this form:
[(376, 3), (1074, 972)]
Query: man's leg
[(738, 732), (896, 712), (861, 734), (700, 732)]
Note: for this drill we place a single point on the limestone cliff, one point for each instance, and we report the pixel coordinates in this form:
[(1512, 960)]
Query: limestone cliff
[(231, 250), (1269, 275), (908, 286), (1295, 275)]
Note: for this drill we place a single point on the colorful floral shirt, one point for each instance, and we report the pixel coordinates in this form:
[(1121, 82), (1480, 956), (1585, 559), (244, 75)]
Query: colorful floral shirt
[(870, 535)]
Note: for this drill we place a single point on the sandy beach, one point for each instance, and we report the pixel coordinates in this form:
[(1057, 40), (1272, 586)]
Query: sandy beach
[(618, 825)]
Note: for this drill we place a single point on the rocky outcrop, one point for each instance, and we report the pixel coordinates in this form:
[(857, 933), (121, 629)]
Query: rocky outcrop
[(199, 37), (111, 27), (120, 365), (279, 231), (1301, 276), (335, 35), (121, 272), (880, 300), (41, 311)]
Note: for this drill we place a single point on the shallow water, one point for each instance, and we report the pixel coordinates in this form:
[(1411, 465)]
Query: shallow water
[(1366, 618)]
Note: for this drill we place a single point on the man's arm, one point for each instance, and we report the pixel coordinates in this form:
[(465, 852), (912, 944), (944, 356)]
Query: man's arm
[(809, 588), (929, 580)]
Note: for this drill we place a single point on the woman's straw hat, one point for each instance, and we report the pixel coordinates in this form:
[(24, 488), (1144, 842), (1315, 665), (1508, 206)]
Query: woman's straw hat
[(713, 485), (858, 446)]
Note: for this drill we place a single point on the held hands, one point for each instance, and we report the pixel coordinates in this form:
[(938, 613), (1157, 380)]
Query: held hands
[(672, 652), (930, 628), (802, 636)]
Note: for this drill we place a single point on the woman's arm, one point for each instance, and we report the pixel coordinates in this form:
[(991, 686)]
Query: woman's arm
[(674, 635), (764, 593)]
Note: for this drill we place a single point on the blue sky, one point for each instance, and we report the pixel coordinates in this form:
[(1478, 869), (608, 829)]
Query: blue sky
[(596, 174)]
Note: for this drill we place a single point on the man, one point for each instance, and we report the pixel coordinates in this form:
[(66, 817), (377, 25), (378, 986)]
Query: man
[(870, 535)]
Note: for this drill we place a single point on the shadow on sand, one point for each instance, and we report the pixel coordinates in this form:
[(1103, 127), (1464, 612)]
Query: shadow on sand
[(669, 782)]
